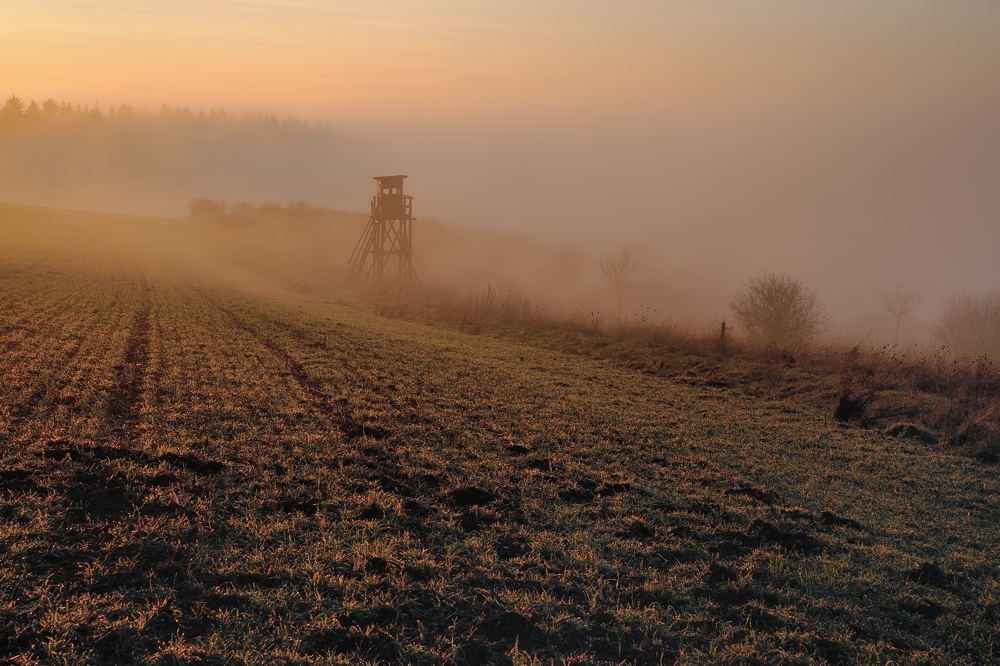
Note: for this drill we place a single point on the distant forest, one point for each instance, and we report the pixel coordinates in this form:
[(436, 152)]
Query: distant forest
[(16, 115), (143, 161)]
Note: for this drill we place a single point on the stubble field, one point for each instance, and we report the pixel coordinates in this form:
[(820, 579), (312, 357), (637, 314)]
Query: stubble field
[(204, 471)]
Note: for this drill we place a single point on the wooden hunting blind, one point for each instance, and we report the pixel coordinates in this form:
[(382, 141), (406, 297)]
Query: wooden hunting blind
[(389, 235)]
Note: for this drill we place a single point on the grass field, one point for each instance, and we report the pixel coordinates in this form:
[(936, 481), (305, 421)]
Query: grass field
[(204, 470)]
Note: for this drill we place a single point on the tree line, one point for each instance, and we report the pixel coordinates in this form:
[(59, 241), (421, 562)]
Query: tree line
[(15, 114), (153, 161)]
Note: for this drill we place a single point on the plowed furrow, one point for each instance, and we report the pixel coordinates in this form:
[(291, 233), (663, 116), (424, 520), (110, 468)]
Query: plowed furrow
[(333, 410), (125, 398)]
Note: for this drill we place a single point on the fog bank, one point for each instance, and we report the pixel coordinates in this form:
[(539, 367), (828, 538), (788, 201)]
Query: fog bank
[(854, 145)]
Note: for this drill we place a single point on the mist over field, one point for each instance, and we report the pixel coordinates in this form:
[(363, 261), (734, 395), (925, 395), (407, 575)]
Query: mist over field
[(853, 147), (849, 205)]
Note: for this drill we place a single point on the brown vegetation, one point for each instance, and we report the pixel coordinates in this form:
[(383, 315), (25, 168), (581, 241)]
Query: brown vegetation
[(201, 468), (940, 399)]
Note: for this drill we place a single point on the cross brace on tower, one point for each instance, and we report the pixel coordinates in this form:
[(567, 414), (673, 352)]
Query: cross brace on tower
[(389, 234)]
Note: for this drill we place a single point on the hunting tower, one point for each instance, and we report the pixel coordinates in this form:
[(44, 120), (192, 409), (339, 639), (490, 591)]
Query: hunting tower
[(389, 234)]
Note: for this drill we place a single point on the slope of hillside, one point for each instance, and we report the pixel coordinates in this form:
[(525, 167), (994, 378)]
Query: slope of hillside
[(197, 469)]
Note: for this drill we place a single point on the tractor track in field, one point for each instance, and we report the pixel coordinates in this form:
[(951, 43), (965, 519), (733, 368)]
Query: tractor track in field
[(334, 410), (125, 400)]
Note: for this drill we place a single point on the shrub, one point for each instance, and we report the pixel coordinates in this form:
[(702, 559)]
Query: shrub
[(970, 325), (778, 309), (207, 210)]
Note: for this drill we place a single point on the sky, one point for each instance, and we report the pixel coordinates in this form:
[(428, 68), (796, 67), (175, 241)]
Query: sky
[(853, 143), (465, 61)]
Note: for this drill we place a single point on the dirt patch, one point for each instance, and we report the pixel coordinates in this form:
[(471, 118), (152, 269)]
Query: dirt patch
[(511, 627), (471, 496)]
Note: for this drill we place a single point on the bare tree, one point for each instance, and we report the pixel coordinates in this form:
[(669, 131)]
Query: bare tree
[(779, 309), (617, 267), (899, 301)]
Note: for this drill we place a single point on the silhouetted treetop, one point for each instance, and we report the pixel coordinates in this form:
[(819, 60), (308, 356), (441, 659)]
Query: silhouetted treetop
[(55, 115), (12, 110)]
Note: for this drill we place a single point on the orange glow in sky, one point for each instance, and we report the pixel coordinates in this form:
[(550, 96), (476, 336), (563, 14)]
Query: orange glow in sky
[(448, 60)]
